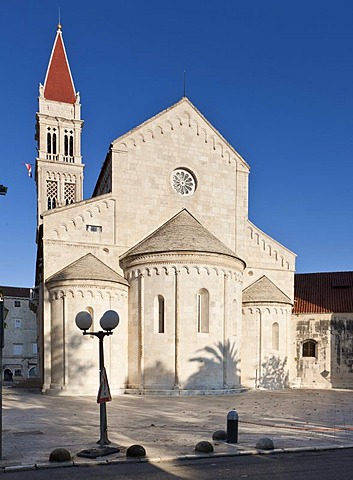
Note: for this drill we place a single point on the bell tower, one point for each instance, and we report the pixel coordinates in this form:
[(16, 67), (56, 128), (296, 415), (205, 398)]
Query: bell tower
[(59, 167)]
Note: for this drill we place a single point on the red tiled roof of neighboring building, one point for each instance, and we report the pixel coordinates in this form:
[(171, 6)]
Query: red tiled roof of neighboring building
[(328, 292), (58, 85), (16, 292)]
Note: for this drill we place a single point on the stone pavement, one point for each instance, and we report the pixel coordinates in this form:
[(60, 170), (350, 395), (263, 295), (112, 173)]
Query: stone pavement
[(169, 427)]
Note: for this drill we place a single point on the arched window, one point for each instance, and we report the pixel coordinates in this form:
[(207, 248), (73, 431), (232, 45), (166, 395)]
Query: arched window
[(275, 336), (49, 142), (71, 145), (66, 145), (52, 193), (309, 348), (160, 299), (33, 372), (235, 318), (203, 300), (54, 143)]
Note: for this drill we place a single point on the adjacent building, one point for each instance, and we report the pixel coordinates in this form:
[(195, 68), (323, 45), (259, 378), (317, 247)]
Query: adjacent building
[(20, 352)]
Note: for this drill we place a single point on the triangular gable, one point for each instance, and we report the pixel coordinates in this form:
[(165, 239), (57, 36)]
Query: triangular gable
[(182, 233), (264, 290), (191, 116), (88, 267)]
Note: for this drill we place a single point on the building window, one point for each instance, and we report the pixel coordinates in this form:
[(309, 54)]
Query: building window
[(18, 323), (68, 145), (160, 310), (234, 318), (309, 348), (48, 141), (17, 303), (94, 228), (71, 145), (51, 142), (69, 193), (52, 193), (18, 372), (33, 372), (17, 349), (275, 336), (183, 182), (203, 311), (34, 348)]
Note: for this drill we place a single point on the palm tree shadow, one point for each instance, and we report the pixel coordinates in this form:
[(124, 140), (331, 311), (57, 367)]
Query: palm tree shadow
[(218, 368), (274, 373)]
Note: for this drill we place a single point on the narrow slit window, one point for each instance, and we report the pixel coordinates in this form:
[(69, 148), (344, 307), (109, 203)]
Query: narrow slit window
[(161, 314), (71, 146), (66, 145), (54, 143), (48, 142), (275, 336), (203, 311)]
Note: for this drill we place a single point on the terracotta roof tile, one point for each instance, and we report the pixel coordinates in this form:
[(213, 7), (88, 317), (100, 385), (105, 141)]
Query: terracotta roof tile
[(19, 292), (328, 292), (58, 85)]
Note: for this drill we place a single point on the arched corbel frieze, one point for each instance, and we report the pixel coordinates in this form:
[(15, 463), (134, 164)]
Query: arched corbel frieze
[(194, 122), (188, 117), (168, 122)]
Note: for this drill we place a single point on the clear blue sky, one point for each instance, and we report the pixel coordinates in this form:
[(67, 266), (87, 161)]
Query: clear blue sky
[(274, 77)]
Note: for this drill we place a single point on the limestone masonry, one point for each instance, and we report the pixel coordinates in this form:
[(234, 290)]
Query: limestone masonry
[(204, 296)]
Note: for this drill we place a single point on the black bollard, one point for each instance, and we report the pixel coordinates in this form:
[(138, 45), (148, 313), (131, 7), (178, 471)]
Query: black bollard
[(232, 427)]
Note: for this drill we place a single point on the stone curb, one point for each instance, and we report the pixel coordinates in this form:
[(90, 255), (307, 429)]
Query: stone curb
[(50, 465)]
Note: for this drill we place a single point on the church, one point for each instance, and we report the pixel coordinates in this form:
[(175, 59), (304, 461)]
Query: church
[(205, 298)]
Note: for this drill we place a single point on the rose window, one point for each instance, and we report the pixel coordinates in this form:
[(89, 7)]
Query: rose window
[(183, 182)]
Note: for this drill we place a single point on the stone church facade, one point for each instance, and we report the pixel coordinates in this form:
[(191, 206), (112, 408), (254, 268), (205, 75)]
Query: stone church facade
[(205, 297)]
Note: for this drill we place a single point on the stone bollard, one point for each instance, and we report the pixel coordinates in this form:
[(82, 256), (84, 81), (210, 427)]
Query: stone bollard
[(232, 427)]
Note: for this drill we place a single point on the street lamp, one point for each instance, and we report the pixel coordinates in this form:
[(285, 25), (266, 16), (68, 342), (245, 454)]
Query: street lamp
[(108, 322), (3, 190)]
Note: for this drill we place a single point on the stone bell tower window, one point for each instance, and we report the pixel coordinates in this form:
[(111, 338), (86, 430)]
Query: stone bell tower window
[(68, 146), (52, 194), (69, 193), (51, 144)]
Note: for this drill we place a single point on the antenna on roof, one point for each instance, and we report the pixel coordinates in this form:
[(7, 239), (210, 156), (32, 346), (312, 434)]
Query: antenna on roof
[(184, 83), (59, 23)]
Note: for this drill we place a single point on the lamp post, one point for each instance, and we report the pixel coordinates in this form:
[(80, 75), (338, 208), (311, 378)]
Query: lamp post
[(108, 322)]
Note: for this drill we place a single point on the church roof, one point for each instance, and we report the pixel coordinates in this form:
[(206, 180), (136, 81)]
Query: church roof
[(88, 267), (182, 233), (325, 292), (58, 84), (264, 291)]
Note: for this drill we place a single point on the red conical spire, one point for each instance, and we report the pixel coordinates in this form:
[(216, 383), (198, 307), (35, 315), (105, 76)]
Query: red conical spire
[(58, 85)]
